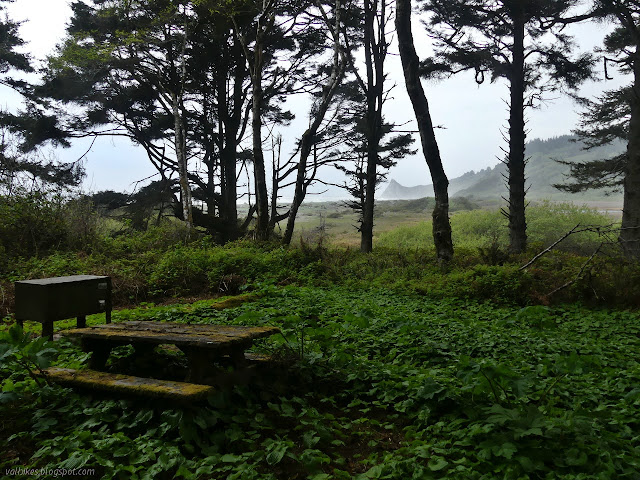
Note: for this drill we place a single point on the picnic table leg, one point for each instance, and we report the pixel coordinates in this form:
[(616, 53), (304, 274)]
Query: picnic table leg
[(81, 321), (200, 364), (237, 358), (108, 304), (47, 329), (100, 352)]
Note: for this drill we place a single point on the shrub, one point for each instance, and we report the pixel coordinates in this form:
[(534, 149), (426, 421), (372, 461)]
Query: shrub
[(505, 284), (80, 225), (479, 229), (31, 225), (36, 224), (549, 221), (406, 237), (488, 230), (181, 270), (127, 241)]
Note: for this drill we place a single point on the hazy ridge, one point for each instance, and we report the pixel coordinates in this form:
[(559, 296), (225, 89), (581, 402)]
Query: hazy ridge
[(543, 171)]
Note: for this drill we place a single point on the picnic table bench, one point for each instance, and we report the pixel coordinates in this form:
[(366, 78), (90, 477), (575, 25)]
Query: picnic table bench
[(113, 382), (203, 345)]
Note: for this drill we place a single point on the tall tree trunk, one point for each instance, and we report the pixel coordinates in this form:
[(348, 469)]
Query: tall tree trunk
[(516, 161), (410, 66), (255, 62), (308, 138), (259, 175), (181, 157), (229, 122), (630, 233), (375, 51), (276, 149), (366, 227), (300, 188)]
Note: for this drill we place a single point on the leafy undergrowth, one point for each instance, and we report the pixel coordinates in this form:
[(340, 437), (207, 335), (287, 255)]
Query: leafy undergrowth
[(387, 386)]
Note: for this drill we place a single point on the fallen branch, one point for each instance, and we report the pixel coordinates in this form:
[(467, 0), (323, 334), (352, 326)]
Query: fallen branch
[(601, 230), (550, 247), (577, 277)]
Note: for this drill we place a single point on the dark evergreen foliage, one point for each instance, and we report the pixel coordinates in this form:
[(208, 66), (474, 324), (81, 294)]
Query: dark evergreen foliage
[(24, 131), (605, 120), (509, 39), (9, 40), (351, 155), (616, 116)]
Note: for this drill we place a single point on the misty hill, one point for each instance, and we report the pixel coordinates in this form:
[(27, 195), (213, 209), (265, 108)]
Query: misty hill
[(542, 172)]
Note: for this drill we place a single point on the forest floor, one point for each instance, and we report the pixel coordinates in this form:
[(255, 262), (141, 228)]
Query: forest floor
[(390, 365), (373, 384)]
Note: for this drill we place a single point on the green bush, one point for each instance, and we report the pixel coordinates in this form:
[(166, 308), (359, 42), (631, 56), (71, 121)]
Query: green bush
[(31, 225), (416, 236), (127, 241), (549, 221), (181, 270), (472, 229), (485, 229), (36, 224), (505, 284)]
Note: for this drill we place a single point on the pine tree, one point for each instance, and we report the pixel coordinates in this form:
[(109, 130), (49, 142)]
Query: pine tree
[(616, 115), (521, 41), (125, 64), (352, 156), (23, 131), (169, 75), (605, 120)]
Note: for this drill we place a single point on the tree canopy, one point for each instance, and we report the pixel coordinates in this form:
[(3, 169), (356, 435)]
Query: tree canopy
[(204, 87)]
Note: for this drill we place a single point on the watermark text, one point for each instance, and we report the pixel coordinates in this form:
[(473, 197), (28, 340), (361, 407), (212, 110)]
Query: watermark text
[(49, 472)]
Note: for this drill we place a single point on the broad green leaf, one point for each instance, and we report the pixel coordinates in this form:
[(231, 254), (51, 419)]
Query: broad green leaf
[(576, 457), (506, 450), (229, 458), (276, 451), (437, 463)]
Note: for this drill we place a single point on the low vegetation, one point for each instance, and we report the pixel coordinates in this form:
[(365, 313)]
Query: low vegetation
[(386, 385), (388, 365)]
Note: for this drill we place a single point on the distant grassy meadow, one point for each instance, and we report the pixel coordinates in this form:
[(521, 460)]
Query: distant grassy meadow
[(407, 223)]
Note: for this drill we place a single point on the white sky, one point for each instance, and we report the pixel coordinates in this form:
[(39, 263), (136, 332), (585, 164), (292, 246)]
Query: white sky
[(472, 116)]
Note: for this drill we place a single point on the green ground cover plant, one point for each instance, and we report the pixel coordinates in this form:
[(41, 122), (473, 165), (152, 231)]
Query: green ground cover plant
[(389, 366), (384, 385)]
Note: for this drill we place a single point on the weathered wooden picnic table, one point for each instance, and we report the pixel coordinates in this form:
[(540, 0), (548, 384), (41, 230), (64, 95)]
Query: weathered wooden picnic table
[(203, 345)]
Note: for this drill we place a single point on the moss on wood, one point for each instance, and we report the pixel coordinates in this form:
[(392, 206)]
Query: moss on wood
[(118, 383), (233, 302), (203, 336)]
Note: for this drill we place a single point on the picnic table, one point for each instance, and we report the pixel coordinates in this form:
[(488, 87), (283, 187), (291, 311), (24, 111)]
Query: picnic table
[(203, 345)]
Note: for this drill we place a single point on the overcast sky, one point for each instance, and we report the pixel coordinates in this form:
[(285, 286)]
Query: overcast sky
[(472, 115)]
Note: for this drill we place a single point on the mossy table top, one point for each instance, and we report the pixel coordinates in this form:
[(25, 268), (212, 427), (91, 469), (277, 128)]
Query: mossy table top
[(204, 345), (182, 335)]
